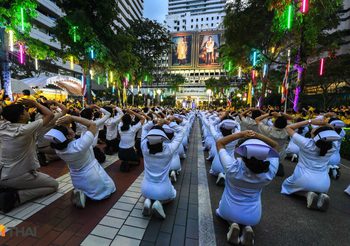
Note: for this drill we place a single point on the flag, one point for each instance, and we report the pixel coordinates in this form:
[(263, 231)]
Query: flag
[(285, 85), (229, 103)]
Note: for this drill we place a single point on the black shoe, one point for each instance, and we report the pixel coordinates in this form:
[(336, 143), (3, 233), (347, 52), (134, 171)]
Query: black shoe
[(280, 171), (8, 199), (42, 159)]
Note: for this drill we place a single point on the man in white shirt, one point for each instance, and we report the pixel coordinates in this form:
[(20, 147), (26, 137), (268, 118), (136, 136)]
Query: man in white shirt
[(19, 179)]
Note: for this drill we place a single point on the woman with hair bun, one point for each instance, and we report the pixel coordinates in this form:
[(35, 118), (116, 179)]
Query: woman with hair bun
[(127, 132), (240, 203), (310, 178), (158, 151), (88, 177)]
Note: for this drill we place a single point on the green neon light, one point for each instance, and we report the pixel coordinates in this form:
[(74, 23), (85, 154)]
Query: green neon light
[(289, 23), (22, 19)]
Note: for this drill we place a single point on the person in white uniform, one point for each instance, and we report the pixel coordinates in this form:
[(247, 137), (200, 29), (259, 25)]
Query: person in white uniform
[(334, 162), (175, 163), (112, 130), (310, 177), (127, 153), (156, 185), (293, 149), (240, 203), (88, 177), (88, 113), (225, 128)]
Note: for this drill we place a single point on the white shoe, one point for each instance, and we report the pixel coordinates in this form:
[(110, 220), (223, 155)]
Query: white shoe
[(311, 200), (233, 234), (323, 202), (247, 237), (221, 179), (158, 210), (78, 198), (146, 207), (347, 190), (173, 176)]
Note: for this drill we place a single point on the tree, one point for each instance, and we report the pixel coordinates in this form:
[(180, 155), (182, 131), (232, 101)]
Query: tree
[(152, 42), (15, 17), (89, 33), (260, 26)]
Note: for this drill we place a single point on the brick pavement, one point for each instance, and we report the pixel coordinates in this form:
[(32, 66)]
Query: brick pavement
[(60, 223)]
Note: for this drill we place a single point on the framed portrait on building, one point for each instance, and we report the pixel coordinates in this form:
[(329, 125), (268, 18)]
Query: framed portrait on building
[(181, 50), (208, 49)]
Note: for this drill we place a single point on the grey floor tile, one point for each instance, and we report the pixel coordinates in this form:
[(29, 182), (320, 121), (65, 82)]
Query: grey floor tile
[(163, 239), (117, 213), (112, 222), (137, 222), (92, 240), (132, 232), (181, 217), (129, 200), (105, 231), (178, 236), (192, 229), (125, 241), (123, 206)]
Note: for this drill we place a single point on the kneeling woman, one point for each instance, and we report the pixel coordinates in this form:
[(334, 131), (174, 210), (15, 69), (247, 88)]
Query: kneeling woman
[(240, 203), (157, 154), (88, 177), (127, 132), (310, 177)]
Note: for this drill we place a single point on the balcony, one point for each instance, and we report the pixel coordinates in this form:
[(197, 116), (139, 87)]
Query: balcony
[(47, 21), (43, 37), (51, 6)]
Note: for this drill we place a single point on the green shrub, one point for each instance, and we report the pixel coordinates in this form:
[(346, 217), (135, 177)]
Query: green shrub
[(345, 146)]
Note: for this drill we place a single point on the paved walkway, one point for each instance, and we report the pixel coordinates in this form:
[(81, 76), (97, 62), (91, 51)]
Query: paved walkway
[(191, 218)]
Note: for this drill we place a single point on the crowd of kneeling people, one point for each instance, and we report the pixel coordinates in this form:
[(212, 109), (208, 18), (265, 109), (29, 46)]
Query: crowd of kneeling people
[(246, 147)]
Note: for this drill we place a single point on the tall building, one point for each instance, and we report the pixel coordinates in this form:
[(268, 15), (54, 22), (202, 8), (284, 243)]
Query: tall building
[(47, 14), (195, 15), (130, 10)]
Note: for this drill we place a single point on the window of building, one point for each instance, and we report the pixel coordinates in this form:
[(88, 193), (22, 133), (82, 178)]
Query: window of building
[(191, 20), (212, 18), (201, 19), (207, 18), (217, 17), (191, 26)]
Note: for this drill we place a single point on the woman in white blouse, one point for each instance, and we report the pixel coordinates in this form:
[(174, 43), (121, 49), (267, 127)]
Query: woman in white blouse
[(88, 177), (127, 132)]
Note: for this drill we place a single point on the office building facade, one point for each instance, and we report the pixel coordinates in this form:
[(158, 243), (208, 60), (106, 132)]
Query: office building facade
[(195, 15)]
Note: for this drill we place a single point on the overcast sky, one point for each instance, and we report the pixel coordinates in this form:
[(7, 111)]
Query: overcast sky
[(156, 9)]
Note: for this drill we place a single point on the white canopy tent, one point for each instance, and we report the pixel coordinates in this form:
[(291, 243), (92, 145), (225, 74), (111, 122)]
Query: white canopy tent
[(68, 83)]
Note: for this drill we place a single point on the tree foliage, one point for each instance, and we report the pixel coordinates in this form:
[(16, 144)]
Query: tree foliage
[(256, 25)]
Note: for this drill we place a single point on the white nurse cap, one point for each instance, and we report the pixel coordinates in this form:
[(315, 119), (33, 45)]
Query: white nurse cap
[(55, 136), (228, 124), (256, 148), (168, 129), (327, 136), (156, 136), (337, 123)]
